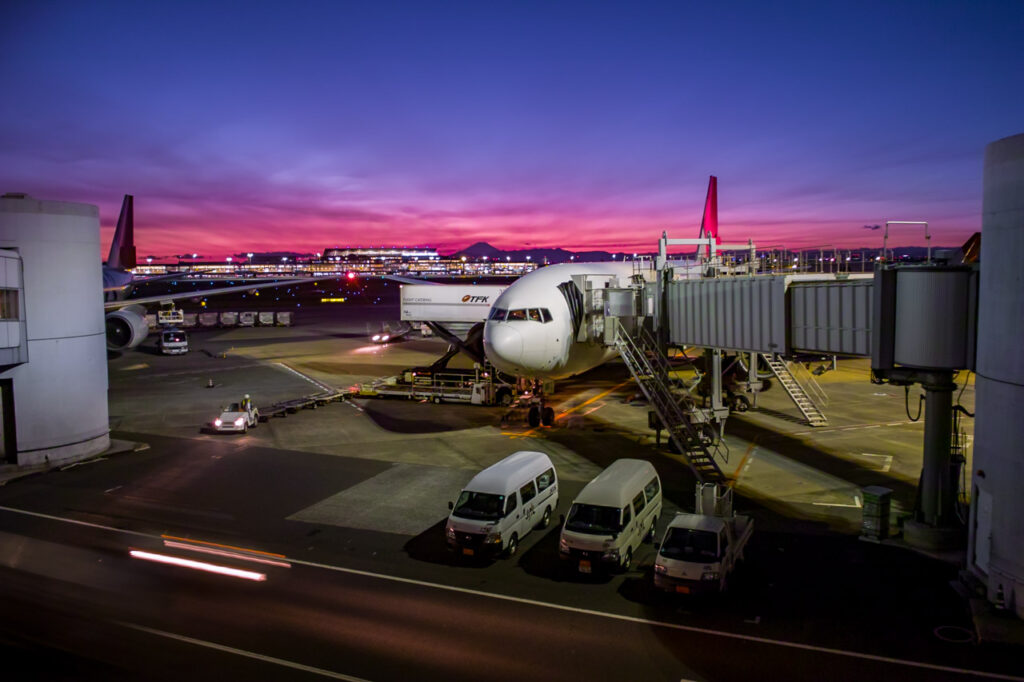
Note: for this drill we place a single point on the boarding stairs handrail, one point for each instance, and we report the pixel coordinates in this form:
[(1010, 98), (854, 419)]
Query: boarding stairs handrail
[(649, 367), (811, 412), (814, 390)]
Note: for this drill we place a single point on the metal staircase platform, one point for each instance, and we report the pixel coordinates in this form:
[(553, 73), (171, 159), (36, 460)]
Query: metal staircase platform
[(811, 411), (696, 440)]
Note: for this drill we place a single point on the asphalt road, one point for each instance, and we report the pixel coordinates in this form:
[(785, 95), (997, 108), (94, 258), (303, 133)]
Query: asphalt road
[(358, 604)]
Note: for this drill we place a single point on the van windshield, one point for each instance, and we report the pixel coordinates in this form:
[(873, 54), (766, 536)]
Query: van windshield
[(486, 506), (686, 544), (174, 337), (594, 520)]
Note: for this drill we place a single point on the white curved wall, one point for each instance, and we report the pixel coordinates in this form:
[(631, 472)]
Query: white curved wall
[(60, 394), (996, 546)]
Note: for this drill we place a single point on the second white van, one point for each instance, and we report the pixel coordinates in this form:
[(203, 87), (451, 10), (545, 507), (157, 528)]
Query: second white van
[(503, 503), (611, 516)]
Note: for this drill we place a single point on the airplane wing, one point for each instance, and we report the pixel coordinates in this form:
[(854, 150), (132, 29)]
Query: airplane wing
[(200, 293), (409, 280)]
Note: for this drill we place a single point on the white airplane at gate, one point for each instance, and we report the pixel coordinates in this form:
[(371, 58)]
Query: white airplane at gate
[(531, 332)]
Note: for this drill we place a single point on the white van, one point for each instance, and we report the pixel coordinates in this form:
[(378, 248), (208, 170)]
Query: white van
[(611, 516), (502, 504), (173, 342)]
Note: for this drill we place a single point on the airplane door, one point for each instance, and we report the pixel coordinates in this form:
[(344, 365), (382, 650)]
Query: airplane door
[(983, 530)]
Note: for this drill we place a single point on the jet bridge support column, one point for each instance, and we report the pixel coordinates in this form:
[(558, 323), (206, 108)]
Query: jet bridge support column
[(938, 486)]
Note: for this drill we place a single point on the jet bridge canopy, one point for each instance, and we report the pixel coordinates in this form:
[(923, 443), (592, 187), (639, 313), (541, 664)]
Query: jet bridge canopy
[(773, 313)]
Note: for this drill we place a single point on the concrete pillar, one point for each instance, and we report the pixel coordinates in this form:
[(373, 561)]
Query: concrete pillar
[(996, 531)]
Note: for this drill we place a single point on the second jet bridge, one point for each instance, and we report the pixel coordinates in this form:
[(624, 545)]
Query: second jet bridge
[(770, 314)]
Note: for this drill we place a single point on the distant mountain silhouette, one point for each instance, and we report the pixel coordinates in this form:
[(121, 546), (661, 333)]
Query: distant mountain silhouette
[(551, 256)]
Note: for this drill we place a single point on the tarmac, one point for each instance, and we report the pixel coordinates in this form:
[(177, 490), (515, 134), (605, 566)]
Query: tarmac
[(793, 477)]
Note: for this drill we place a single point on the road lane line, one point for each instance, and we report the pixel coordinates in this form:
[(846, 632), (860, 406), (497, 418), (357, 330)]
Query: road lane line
[(670, 626), (242, 652), (573, 609), (321, 386)]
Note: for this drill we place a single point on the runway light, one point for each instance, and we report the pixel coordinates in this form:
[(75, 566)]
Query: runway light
[(198, 565)]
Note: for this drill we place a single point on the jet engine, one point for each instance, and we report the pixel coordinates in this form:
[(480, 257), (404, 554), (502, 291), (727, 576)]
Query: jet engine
[(126, 327)]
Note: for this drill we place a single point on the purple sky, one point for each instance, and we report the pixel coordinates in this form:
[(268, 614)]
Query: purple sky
[(250, 126)]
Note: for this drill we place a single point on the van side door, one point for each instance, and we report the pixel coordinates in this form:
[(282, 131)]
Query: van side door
[(527, 494)]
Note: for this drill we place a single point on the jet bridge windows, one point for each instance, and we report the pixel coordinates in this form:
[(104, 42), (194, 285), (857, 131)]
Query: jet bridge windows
[(542, 315)]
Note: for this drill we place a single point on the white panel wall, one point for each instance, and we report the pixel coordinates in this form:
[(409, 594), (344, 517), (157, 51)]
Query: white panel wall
[(999, 429), (61, 392)]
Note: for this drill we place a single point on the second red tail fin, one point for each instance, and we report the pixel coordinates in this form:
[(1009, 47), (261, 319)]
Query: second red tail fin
[(709, 222), (122, 248)]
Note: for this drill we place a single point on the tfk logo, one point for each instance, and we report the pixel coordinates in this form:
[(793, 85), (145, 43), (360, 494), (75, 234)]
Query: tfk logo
[(474, 299)]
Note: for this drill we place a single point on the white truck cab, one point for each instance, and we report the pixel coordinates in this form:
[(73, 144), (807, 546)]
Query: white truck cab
[(503, 503), (610, 517), (699, 551)]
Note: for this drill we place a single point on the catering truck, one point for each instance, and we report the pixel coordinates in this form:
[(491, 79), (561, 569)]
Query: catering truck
[(699, 551)]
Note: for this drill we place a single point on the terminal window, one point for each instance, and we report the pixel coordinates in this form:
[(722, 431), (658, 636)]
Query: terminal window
[(9, 304)]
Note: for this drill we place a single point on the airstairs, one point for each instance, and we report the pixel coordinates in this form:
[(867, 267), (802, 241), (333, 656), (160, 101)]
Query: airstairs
[(808, 397), (687, 425)]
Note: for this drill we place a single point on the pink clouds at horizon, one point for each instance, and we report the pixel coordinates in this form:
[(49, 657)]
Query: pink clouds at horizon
[(228, 235)]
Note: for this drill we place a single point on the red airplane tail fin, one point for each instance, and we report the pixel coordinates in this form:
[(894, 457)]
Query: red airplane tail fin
[(709, 222), (122, 248)]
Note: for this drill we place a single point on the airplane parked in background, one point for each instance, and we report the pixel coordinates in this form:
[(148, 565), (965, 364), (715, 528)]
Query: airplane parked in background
[(126, 323)]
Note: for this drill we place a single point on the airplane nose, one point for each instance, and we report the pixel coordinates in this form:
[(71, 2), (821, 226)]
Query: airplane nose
[(503, 345)]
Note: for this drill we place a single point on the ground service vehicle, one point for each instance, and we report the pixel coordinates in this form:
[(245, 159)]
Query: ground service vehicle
[(237, 417), (610, 517), (477, 386), (699, 551), (173, 342), (503, 503)]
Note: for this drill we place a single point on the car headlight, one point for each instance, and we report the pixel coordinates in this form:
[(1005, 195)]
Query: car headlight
[(217, 422), (239, 421), (611, 554), (658, 568), (710, 575), (563, 546), (450, 532), (493, 537)]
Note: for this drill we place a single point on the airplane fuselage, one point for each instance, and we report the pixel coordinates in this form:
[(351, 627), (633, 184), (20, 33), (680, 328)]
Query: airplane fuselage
[(529, 331)]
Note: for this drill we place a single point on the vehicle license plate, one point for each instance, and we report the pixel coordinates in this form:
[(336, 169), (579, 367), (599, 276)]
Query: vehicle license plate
[(685, 589), (584, 566), (467, 551)]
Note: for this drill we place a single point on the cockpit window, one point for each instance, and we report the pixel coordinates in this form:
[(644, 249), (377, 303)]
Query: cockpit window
[(498, 314), (532, 314)]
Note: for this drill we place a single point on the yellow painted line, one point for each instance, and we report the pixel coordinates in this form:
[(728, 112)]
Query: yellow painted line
[(739, 469), (216, 544), (583, 404)]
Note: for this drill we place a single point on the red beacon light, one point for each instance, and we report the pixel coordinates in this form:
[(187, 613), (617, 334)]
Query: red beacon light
[(350, 275)]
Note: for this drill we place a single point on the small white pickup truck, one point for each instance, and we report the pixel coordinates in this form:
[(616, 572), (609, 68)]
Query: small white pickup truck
[(237, 417), (699, 551)]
